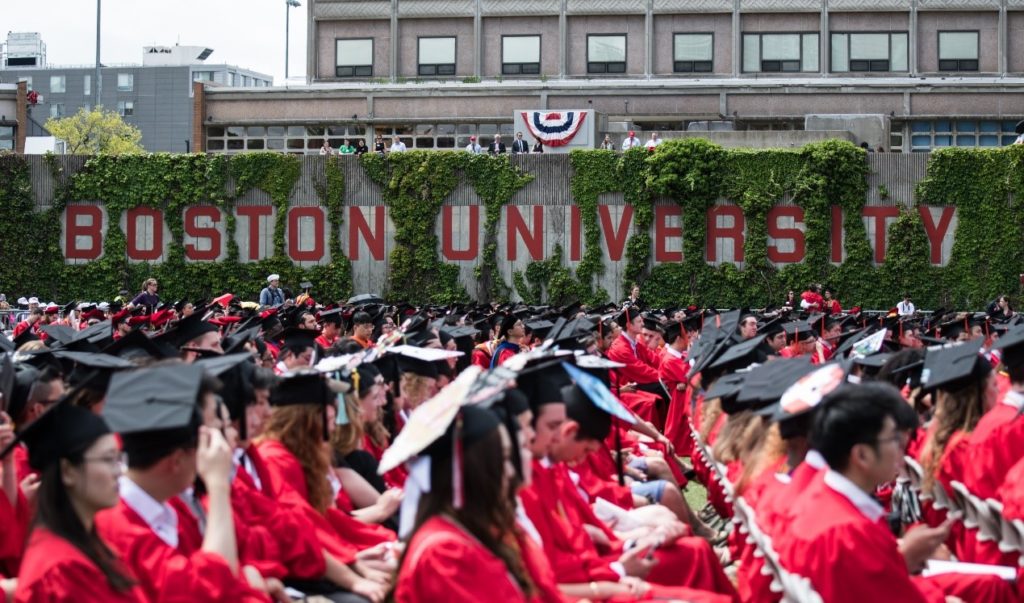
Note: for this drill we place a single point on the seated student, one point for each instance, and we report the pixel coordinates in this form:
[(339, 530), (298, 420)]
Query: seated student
[(296, 471), (672, 372), (511, 332), (298, 350), (641, 362), (156, 411), (674, 561), (462, 550), (66, 559), (835, 537)]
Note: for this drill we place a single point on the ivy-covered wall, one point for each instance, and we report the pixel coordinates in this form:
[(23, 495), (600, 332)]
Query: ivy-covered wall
[(985, 186)]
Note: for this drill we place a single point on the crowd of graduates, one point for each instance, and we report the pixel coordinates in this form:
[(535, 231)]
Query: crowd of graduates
[(221, 450)]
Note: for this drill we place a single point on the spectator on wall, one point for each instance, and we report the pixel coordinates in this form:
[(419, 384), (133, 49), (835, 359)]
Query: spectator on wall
[(519, 145), (631, 141), (397, 146), (497, 147), (473, 146)]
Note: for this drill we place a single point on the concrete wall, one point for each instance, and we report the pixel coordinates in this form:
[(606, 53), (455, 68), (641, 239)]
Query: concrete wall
[(541, 216)]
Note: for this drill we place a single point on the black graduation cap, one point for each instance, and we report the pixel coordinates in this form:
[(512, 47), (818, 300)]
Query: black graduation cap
[(136, 345), (874, 361), (952, 329), (739, 355), (417, 366), (804, 391), (24, 337), (1012, 345), (100, 334), (365, 298), (189, 328), (953, 367), (726, 389), (154, 408), (651, 323), (542, 380), (25, 378), (332, 316), (508, 321), (58, 333), (540, 328), (304, 387), (298, 340), (673, 330), (69, 307), (850, 338), (63, 430), (766, 383), (772, 327), (798, 330)]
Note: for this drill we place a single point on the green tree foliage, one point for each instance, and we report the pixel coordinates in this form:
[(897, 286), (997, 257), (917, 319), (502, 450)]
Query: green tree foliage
[(95, 132)]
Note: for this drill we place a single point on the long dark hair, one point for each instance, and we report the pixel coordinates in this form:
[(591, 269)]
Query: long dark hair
[(55, 513), (487, 512)]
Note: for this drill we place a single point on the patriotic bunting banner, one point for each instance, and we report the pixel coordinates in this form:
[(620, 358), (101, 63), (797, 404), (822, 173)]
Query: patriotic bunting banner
[(553, 128)]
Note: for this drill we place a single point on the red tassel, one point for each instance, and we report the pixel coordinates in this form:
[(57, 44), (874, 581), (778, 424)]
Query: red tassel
[(457, 491)]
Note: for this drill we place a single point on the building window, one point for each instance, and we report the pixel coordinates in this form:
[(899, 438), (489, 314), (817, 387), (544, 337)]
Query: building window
[(28, 81), (520, 55), (958, 51), (606, 54), (125, 108), (354, 58), (125, 82), (693, 52), (202, 76), (57, 110), (869, 52), (87, 85), (780, 52), (58, 84), (7, 138), (437, 56), (927, 135)]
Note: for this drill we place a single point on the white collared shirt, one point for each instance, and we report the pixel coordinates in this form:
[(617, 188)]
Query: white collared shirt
[(242, 460), (867, 505), (674, 352), (632, 342), (1014, 399), (815, 460), (160, 517)]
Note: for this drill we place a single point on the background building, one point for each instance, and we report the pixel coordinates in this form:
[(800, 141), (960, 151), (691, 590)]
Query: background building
[(932, 73), (154, 96)]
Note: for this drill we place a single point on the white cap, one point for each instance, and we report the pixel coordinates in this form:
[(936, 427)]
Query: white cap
[(22, 301), (33, 300), (273, 277), (103, 306)]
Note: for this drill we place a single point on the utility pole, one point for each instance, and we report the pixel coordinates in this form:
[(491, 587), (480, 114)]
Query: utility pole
[(288, 4), (96, 84)]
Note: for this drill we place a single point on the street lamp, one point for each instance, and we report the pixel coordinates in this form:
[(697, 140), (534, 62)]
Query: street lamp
[(288, 5)]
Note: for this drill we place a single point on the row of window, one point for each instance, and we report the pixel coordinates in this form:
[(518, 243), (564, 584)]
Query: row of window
[(59, 83), (308, 139), (230, 78), (125, 108), (691, 53), (927, 135)]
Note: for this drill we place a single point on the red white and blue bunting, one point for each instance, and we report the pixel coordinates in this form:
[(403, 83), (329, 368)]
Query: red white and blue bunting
[(553, 128)]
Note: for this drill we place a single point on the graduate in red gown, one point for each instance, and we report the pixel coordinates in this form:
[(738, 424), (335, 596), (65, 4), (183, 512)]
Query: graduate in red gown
[(629, 349), (672, 372), (294, 455), (836, 537), (466, 550), (66, 559), (157, 412)]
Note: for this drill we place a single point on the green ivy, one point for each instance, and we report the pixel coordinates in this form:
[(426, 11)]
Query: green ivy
[(415, 185)]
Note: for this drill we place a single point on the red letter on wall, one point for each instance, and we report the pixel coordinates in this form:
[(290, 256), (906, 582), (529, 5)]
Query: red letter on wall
[(359, 227), (663, 232), (936, 233), (778, 233), (305, 255), (447, 240), (575, 244), (734, 232), (156, 249), (837, 234), (515, 224), (192, 229), (253, 213), (92, 230), (879, 213), (616, 238)]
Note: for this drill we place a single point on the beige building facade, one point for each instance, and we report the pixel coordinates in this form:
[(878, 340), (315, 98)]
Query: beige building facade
[(435, 72)]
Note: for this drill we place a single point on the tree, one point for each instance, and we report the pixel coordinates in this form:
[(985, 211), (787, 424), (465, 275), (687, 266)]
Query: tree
[(96, 131)]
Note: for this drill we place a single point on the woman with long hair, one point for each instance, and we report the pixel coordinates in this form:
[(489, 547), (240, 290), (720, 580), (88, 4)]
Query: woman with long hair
[(79, 462), (294, 451), (467, 551)]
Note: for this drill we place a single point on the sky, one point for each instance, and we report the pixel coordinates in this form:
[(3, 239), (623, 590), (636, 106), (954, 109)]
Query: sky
[(245, 33)]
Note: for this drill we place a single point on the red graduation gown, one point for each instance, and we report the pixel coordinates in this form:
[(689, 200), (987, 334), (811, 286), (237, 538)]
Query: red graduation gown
[(184, 573), (339, 533), (847, 557), (997, 443), (641, 365), (14, 527), (677, 424), (445, 563), (55, 571)]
